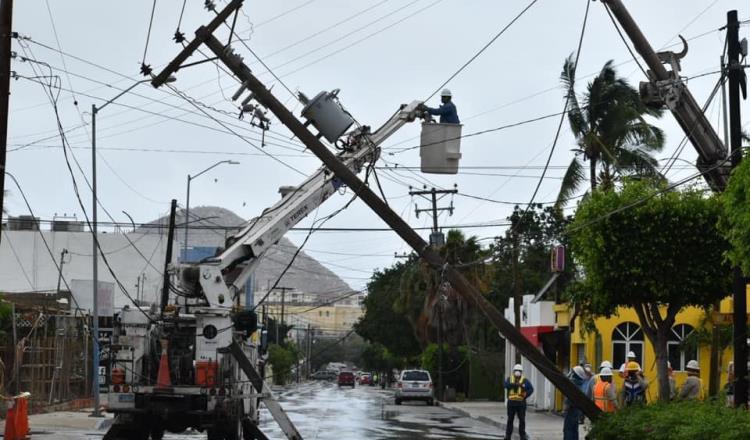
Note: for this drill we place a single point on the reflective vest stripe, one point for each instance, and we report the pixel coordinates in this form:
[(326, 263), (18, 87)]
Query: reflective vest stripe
[(520, 392), (600, 397)]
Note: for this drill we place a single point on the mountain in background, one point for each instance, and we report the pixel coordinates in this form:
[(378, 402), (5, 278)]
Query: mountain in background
[(211, 225)]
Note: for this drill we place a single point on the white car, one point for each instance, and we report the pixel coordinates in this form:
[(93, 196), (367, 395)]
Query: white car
[(414, 385)]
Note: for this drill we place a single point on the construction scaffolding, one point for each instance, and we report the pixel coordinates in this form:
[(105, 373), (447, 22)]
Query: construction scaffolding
[(48, 355)]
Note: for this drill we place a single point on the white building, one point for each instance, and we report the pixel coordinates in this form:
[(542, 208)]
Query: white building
[(537, 320), (26, 264)]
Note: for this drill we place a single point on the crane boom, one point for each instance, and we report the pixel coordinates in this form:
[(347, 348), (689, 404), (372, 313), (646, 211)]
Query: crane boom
[(245, 249)]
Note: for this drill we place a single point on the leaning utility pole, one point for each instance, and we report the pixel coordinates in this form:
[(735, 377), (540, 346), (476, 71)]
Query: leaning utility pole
[(204, 34), (6, 30), (736, 77), (666, 88), (437, 238)]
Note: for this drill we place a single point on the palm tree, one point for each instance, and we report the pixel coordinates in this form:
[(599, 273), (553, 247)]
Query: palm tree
[(610, 130)]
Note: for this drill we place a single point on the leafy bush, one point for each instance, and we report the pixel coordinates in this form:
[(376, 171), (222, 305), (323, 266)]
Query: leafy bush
[(687, 420), (282, 358)]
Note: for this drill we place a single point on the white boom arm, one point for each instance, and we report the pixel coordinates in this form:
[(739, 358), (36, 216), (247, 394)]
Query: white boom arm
[(258, 235)]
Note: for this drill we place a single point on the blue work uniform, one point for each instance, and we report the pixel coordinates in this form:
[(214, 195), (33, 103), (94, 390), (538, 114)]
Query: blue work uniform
[(447, 113), (519, 389)]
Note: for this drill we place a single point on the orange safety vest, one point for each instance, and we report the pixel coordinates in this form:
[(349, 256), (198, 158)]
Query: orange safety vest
[(601, 399), (520, 392)]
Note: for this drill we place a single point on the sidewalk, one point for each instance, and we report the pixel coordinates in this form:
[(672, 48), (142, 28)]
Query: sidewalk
[(66, 421), (540, 425)]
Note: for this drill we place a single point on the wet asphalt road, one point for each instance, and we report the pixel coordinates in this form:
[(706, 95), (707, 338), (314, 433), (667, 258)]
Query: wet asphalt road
[(322, 411)]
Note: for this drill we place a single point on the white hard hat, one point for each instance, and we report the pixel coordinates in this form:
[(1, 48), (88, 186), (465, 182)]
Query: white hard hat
[(693, 365), (606, 371), (446, 92), (579, 371), (605, 364), (631, 354), (518, 367)]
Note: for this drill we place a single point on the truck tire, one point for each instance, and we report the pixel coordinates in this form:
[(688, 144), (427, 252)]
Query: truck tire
[(127, 427)]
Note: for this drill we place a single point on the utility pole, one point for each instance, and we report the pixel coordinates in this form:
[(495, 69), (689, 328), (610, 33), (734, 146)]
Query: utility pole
[(283, 301), (204, 35), (309, 350), (168, 259), (6, 30), (59, 274), (437, 238), (736, 76)]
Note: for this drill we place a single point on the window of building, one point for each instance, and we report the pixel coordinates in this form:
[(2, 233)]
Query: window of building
[(627, 337), (579, 353), (320, 313), (328, 313), (679, 354)]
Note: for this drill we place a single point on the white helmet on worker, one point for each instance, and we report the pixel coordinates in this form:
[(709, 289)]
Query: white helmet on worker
[(606, 364), (579, 371), (517, 370), (693, 365), (446, 92), (606, 372), (631, 355)]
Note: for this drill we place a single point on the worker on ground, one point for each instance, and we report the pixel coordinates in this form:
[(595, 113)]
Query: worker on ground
[(572, 412), (519, 389), (634, 387), (631, 358), (605, 396), (595, 378), (692, 388), (672, 383), (446, 111), (729, 387)]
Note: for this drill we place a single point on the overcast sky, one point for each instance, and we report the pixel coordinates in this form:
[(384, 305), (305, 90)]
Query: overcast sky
[(380, 53)]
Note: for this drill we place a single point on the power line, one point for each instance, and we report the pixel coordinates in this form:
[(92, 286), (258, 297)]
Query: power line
[(565, 108), (145, 68), (476, 55), (625, 41)]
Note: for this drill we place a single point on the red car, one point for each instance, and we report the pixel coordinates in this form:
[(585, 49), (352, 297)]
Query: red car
[(346, 378), (365, 379)]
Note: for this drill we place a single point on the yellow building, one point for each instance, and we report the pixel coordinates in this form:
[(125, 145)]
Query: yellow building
[(327, 320), (616, 336)]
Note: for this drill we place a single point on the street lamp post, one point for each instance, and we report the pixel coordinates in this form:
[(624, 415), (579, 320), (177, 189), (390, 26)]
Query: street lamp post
[(187, 201), (95, 241)]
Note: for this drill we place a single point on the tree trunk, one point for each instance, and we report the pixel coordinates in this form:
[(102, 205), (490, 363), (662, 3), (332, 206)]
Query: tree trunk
[(715, 366), (592, 172), (662, 356)]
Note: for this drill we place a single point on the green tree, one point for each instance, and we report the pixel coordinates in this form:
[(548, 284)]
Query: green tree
[(656, 252), (381, 323), (610, 129), (522, 255), (735, 222), (282, 358)]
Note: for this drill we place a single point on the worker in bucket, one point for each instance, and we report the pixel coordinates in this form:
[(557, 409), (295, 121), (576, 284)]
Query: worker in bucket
[(446, 111), (519, 389)]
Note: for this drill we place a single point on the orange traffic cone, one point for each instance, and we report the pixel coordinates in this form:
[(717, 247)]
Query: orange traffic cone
[(162, 379), (17, 418)]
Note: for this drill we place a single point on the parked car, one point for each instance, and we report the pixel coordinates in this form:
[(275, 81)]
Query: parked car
[(414, 385), (323, 375), (346, 378), (365, 379)]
